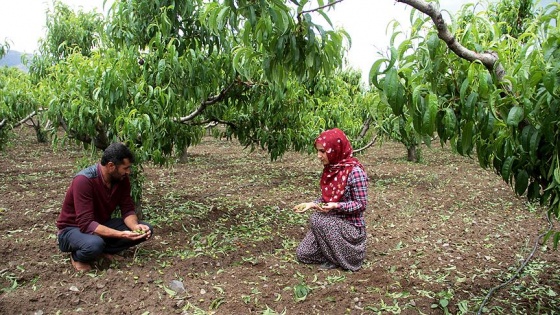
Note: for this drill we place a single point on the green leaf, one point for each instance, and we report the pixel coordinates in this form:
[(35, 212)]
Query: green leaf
[(467, 137), (547, 236), (449, 123), (549, 81), (557, 175), (169, 291), (506, 169), (525, 137), (222, 17), (418, 114), (429, 119), (403, 47), (534, 145), (433, 44), (440, 127), (482, 154), (521, 182), (375, 71), (515, 116), (394, 91), (468, 107), (300, 292), (483, 86), (464, 87), (534, 191)]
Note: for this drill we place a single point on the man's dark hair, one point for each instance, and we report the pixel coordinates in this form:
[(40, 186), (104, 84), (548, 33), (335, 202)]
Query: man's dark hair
[(116, 153)]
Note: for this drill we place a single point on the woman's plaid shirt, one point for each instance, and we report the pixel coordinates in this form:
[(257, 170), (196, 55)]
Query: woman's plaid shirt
[(353, 203)]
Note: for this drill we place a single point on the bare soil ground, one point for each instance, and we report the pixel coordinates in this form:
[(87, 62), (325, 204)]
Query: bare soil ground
[(441, 234)]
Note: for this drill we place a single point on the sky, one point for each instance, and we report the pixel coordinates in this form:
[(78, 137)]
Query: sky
[(22, 23), (366, 22)]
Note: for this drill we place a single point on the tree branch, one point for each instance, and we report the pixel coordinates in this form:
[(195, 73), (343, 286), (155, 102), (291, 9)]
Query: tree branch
[(211, 100), (25, 119), (99, 142), (330, 4), (365, 128), (489, 59), (72, 134), (209, 123), (372, 142)]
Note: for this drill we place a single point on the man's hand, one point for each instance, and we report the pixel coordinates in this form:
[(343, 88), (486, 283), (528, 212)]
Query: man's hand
[(142, 230), (132, 236)]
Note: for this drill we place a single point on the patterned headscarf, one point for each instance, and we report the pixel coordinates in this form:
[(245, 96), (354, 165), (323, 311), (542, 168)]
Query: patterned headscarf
[(341, 163)]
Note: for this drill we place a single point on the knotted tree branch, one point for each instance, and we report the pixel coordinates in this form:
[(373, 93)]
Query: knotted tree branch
[(488, 58), (211, 100), (100, 141)]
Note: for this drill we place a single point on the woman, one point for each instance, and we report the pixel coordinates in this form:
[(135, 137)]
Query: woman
[(337, 235)]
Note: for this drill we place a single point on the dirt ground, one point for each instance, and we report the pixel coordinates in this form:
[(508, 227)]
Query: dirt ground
[(441, 233)]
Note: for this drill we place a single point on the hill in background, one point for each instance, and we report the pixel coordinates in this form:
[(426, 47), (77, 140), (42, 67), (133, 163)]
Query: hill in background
[(13, 59)]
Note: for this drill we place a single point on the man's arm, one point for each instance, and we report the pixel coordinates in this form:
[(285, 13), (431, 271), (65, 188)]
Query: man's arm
[(82, 192), (131, 222)]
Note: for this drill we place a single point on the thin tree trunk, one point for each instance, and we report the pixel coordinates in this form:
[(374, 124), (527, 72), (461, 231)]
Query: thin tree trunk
[(411, 153)]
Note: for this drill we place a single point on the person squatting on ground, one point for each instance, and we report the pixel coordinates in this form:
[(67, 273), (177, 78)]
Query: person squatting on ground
[(85, 225), (337, 235)]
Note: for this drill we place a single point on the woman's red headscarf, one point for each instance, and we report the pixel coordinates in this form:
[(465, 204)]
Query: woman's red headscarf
[(341, 163)]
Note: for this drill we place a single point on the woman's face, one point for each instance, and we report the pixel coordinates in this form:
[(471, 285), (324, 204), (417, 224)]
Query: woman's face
[(322, 153)]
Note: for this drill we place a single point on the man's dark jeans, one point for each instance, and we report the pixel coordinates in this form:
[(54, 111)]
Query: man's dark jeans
[(87, 247)]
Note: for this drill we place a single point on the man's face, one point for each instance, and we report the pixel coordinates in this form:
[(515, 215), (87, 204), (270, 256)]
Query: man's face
[(119, 172)]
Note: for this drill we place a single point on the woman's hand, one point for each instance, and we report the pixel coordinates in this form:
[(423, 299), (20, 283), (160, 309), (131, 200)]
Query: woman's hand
[(326, 207), (322, 207), (302, 207)]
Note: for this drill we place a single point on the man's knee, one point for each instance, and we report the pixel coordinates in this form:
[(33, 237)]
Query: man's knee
[(92, 248)]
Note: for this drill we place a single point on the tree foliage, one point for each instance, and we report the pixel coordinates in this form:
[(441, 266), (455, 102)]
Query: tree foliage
[(68, 33), (166, 69), (4, 108), (155, 74), (513, 16), (18, 100), (507, 119), (411, 104), (4, 47)]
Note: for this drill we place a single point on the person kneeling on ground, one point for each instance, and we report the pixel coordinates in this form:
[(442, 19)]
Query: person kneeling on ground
[(337, 235), (85, 225)]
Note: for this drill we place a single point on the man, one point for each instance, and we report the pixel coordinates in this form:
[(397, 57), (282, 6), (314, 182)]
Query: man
[(85, 225)]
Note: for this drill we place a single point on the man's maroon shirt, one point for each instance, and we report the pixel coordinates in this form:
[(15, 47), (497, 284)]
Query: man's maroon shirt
[(89, 202)]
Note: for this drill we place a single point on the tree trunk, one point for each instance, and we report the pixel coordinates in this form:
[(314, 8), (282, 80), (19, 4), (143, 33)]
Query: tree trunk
[(138, 209), (411, 153), (184, 157), (40, 133)]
